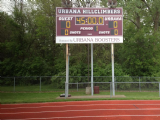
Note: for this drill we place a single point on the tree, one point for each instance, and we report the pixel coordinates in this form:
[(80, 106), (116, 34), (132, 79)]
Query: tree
[(140, 37)]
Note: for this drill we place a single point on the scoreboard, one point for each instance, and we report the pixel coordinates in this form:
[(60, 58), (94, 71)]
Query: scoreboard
[(89, 25)]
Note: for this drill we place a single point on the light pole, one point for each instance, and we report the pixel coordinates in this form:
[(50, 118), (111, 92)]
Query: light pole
[(87, 3), (66, 3), (112, 4)]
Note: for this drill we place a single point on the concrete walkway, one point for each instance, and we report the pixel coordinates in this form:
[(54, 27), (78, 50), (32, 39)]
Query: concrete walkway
[(94, 96)]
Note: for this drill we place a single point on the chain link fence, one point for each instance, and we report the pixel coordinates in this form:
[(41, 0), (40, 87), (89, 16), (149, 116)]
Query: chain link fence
[(78, 83)]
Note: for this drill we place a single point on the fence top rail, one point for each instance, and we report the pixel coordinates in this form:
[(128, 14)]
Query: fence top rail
[(110, 82), (75, 76)]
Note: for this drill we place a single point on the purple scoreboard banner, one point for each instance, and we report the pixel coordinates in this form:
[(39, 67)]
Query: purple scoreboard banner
[(89, 25)]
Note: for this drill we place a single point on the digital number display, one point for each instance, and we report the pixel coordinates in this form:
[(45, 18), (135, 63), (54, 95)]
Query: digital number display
[(90, 20), (113, 24), (65, 24)]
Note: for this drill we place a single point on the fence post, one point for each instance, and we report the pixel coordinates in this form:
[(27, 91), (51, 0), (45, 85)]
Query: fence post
[(115, 83), (110, 89), (14, 83), (40, 85), (139, 84), (66, 90), (159, 89), (77, 86)]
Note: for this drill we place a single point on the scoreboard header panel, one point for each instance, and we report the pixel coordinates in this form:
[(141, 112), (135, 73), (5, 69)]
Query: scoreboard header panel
[(89, 25)]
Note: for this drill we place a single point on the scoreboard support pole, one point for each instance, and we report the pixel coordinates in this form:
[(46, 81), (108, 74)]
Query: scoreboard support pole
[(88, 6), (112, 56), (92, 69), (67, 71)]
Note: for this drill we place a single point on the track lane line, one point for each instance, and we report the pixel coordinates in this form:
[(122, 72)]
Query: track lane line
[(79, 105), (83, 111), (74, 117), (75, 102)]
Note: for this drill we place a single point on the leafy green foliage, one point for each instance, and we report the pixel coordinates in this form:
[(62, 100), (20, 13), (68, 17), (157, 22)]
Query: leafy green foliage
[(140, 52), (28, 48)]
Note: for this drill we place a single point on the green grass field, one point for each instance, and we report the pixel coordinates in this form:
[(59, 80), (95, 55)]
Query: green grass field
[(34, 94), (25, 97)]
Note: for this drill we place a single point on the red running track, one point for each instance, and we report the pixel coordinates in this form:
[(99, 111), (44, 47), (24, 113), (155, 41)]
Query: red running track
[(83, 110)]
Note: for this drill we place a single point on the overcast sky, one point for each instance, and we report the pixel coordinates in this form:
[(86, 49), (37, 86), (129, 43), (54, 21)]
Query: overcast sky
[(7, 5)]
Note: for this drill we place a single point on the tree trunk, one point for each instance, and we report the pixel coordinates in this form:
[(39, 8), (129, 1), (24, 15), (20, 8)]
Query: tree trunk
[(156, 21)]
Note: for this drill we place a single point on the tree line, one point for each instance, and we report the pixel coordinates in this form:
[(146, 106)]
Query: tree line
[(28, 48)]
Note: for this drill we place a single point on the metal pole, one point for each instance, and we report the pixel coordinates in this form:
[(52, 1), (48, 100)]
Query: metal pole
[(40, 85), (159, 89), (65, 90), (88, 5), (139, 84), (68, 68), (92, 69), (14, 83), (66, 85), (115, 84), (110, 89), (112, 55), (77, 86)]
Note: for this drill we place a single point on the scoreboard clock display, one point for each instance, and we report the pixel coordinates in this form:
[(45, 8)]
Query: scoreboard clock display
[(89, 20), (89, 25)]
